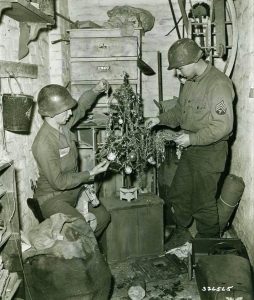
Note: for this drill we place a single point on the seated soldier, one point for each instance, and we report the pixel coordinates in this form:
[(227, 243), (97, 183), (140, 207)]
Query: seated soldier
[(54, 149)]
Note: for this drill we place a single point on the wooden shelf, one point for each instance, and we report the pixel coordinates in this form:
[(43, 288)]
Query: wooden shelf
[(5, 236), (85, 146), (2, 191), (19, 69), (23, 11), (5, 165)]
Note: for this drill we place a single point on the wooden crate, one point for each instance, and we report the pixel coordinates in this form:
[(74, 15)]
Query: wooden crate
[(136, 228)]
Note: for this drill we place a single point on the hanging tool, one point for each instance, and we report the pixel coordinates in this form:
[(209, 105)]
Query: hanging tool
[(219, 12), (209, 33), (200, 11), (23, 39), (160, 76), (78, 24), (144, 67), (64, 39), (173, 27), (186, 21), (183, 31), (174, 18), (160, 86), (73, 24)]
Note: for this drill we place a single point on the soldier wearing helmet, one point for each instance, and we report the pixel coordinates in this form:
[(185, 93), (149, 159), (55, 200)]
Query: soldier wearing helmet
[(54, 149), (204, 114)]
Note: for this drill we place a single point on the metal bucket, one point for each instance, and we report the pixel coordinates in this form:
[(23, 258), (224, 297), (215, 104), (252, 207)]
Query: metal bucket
[(17, 111)]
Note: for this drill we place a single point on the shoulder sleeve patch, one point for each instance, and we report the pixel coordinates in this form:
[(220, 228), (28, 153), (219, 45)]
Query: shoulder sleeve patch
[(221, 108)]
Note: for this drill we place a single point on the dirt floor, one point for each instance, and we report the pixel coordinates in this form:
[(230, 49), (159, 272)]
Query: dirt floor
[(162, 277), (171, 284)]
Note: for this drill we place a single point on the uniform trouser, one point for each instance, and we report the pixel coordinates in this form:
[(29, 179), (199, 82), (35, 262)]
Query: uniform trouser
[(66, 203), (193, 191)]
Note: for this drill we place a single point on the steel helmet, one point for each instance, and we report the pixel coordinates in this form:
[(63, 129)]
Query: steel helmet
[(54, 99), (183, 52)]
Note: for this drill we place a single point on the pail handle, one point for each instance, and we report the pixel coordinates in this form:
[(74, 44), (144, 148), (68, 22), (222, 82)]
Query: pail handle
[(9, 82)]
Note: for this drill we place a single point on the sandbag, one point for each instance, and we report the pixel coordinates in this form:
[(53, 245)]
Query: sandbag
[(51, 278), (65, 262), (231, 193), (139, 17)]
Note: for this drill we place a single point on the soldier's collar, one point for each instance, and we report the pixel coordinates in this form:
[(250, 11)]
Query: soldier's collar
[(200, 77), (51, 129)]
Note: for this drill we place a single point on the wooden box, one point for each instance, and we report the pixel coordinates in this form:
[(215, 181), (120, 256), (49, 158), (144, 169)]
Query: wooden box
[(136, 228)]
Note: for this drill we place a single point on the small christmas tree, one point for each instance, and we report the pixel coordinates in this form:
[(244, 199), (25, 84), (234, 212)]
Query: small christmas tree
[(129, 144)]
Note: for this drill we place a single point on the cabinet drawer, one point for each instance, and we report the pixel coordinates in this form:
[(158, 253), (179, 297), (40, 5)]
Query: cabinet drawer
[(104, 47), (78, 89), (110, 70)]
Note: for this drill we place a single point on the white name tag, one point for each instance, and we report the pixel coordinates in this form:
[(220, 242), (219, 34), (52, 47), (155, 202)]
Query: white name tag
[(64, 151)]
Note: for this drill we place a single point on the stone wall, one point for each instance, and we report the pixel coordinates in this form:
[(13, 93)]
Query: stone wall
[(47, 57), (19, 145), (243, 154)]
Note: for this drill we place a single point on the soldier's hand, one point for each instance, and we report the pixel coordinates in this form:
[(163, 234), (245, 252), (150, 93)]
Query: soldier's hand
[(183, 140), (102, 86), (100, 168), (151, 122), (158, 104)]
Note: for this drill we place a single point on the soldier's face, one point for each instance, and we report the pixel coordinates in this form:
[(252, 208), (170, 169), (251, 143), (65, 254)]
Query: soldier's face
[(63, 117), (188, 71)]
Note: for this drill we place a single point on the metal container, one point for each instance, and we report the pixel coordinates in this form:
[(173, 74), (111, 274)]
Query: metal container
[(17, 111)]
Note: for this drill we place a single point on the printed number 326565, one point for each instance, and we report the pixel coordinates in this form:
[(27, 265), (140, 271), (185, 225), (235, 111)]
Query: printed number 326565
[(217, 289)]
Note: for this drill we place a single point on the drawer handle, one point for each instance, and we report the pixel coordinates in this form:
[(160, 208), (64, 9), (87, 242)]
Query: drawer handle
[(103, 46), (103, 68)]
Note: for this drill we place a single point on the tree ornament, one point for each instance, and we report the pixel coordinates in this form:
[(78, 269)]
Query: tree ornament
[(111, 156), (118, 133), (128, 170), (132, 156), (151, 160), (114, 101), (120, 121)]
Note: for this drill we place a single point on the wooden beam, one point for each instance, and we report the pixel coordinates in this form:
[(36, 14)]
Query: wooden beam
[(18, 69), (23, 11)]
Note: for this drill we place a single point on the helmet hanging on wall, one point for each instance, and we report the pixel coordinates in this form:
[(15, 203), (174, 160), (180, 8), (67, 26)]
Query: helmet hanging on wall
[(54, 99), (183, 52)]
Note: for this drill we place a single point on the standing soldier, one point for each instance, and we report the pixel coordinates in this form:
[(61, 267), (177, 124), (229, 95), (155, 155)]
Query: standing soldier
[(205, 114)]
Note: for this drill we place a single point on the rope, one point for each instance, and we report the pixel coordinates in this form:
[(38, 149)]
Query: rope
[(227, 203)]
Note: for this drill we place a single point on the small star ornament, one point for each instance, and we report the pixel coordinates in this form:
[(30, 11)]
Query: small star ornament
[(128, 170)]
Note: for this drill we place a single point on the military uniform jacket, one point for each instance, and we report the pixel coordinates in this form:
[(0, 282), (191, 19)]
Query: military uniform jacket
[(57, 156), (204, 108)]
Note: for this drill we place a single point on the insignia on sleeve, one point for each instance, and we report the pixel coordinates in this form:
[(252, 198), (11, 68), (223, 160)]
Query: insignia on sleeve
[(221, 108)]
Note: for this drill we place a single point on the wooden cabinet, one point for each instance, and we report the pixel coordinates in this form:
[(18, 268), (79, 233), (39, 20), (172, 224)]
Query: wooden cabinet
[(11, 271), (136, 228), (103, 53), (96, 54)]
